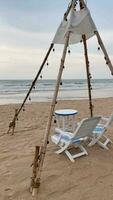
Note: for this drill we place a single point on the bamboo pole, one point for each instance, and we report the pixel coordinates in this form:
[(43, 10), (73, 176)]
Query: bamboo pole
[(39, 72), (108, 61), (69, 8), (13, 123), (44, 147), (88, 75), (82, 5), (48, 127)]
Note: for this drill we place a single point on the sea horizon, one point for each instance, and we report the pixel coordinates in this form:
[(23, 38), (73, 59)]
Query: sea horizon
[(10, 79), (14, 90)]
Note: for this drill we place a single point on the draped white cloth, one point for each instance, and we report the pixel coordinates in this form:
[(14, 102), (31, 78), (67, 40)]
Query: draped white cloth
[(79, 23)]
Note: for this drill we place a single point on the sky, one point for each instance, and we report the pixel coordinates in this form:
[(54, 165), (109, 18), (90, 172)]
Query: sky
[(27, 28)]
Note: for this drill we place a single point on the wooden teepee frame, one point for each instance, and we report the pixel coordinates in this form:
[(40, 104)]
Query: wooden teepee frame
[(41, 151)]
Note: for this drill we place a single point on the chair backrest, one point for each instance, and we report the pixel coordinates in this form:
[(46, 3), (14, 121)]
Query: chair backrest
[(110, 120), (86, 127)]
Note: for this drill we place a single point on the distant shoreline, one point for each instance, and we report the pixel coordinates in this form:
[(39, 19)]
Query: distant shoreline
[(14, 91), (49, 102)]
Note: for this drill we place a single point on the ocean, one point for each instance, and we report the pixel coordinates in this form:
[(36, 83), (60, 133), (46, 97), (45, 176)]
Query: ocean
[(14, 91)]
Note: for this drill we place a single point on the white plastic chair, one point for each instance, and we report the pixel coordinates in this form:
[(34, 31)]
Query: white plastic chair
[(66, 140), (99, 136)]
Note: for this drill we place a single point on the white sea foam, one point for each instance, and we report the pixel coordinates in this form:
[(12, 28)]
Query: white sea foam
[(14, 91)]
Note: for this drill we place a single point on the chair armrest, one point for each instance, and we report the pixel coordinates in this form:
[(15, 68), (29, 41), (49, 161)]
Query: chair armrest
[(104, 119), (61, 132)]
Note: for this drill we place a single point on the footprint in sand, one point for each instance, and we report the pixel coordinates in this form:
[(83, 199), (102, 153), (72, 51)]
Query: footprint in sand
[(9, 193)]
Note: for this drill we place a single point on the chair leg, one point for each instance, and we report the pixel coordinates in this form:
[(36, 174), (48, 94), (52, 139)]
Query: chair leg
[(104, 145), (108, 139), (62, 149), (83, 149), (82, 153), (69, 155), (94, 141)]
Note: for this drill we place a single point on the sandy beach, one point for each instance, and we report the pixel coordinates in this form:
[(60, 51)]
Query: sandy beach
[(89, 178)]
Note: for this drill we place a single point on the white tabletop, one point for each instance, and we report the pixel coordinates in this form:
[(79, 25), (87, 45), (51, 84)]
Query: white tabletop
[(66, 112)]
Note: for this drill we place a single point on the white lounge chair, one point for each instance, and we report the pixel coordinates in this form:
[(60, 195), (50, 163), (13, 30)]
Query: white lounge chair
[(99, 136), (66, 140)]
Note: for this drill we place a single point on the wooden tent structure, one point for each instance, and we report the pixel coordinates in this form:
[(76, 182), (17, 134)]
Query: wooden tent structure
[(76, 26)]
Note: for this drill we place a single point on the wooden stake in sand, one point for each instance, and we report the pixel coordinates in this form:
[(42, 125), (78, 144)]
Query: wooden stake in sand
[(34, 183), (13, 123)]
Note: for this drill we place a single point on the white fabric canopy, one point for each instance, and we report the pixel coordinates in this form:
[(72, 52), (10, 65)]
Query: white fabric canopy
[(80, 23)]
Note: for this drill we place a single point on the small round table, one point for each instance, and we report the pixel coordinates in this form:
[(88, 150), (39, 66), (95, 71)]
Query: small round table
[(65, 119)]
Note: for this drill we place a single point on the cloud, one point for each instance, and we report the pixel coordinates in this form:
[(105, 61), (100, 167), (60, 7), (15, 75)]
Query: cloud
[(23, 63), (13, 37), (22, 52), (32, 16)]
